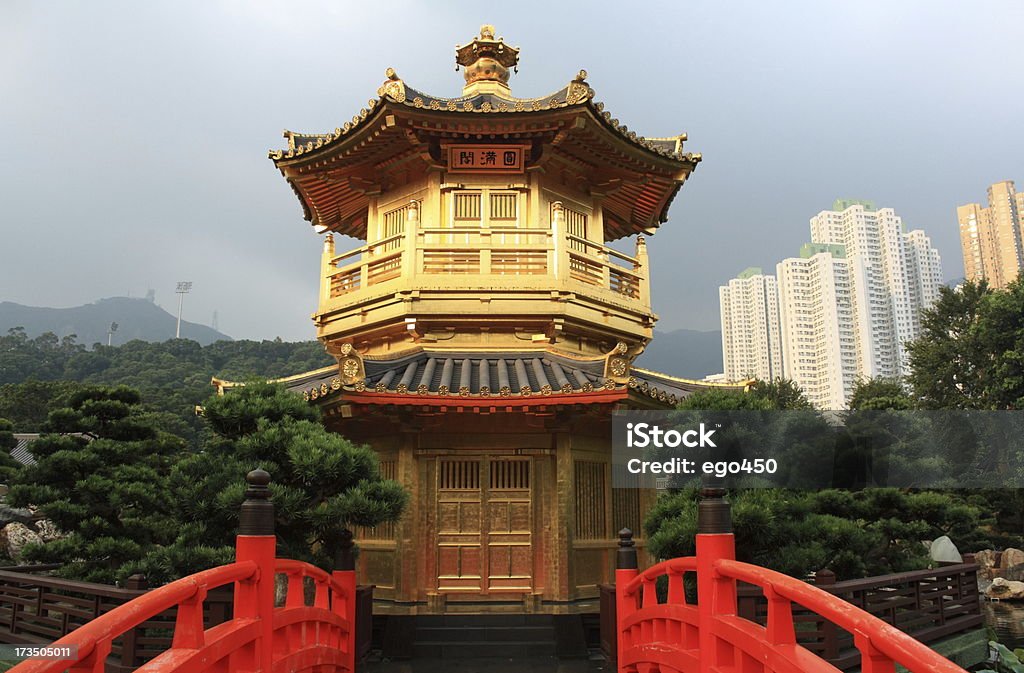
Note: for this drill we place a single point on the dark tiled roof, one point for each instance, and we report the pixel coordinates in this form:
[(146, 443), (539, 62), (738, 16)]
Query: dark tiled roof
[(476, 374), (20, 451)]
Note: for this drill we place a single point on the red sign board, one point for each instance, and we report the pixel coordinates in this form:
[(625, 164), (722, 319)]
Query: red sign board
[(485, 158)]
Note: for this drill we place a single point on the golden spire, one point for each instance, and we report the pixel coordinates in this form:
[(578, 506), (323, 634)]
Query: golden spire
[(486, 61)]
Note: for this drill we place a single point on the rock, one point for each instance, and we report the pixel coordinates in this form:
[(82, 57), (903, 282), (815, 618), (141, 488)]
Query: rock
[(13, 514), (986, 559), (944, 551), (1014, 574), (1011, 557), (1005, 590), (47, 531), (14, 537)]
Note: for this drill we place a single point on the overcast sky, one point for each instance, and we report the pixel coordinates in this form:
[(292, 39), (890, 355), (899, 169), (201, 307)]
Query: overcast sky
[(136, 132)]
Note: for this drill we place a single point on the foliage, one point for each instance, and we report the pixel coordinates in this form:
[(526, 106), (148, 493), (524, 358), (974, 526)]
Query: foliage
[(36, 374), (780, 394), (1006, 661), (876, 394), (970, 354), (101, 477), (9, 467), (855, 534), (761, 396), (321, 482), (28, 404)]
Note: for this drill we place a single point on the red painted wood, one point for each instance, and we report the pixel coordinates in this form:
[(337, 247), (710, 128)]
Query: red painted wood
[(711, 637), (297, 638)]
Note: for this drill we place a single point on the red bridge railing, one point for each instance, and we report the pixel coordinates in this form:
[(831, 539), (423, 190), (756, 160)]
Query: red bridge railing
[(710, 637), (297, 637)]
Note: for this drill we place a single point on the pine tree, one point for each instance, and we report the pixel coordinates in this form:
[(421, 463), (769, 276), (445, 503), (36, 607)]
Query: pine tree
[(101, 477), (321, 483), (9, 467)]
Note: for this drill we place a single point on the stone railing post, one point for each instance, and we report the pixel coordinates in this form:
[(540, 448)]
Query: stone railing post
[(642, 269), (326, 268)]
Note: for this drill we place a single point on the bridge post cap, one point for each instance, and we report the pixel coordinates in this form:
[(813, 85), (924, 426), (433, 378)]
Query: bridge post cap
[(256, 516), (136, 581), (625, 556), (825, 576), (714, 514), (257, 478)]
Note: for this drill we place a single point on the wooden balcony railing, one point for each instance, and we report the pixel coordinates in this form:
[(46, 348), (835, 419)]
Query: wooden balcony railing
[(493, 252)]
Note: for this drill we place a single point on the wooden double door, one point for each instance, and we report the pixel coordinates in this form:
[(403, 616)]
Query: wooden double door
[(484, 525)]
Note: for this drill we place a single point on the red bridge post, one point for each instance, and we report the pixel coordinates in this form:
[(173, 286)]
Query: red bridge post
[(626, 568), (254, 599), (345, 574), (716, 595)]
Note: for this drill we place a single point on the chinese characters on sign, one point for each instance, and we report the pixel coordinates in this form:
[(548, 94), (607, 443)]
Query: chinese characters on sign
[(485, 158)]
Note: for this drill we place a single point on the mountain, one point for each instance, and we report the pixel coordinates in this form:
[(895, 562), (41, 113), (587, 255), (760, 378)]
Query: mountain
[(135, 318), (684, 352)]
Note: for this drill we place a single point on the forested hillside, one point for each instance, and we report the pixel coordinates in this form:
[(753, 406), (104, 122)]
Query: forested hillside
[(174, 376), (135, 319)]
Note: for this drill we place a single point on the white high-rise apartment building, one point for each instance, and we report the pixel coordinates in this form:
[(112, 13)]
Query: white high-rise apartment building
[(925, 268), (895, 275), (751, 343), (818, 324), (847, 305)]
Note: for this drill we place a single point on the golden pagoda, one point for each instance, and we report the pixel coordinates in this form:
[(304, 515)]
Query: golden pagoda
[(485, 329)]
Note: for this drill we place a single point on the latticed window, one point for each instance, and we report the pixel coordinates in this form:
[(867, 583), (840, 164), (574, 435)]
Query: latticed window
[(626, 504), (459, 475), (504, 209), (385, 531), (510, 475), (576, 225), (466, 208), (394, 225), (591, 519)]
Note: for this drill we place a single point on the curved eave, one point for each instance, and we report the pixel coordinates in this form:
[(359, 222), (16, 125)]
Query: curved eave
[(577, 94), (306, 151), (492, 403)]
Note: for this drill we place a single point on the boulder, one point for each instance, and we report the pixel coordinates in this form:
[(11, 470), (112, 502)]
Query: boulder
[(1014, 574), (13, 514), (47, 530), (1011, 557), (1005, 590), (986, 559), (943, 550), (13, 539)]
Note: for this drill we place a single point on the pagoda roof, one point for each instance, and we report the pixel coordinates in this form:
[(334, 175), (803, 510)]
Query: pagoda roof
[(448, 376), (576, 94), (332, 173)]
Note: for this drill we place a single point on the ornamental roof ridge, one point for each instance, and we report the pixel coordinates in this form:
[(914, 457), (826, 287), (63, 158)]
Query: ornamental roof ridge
[(695, 382), (577, 93)]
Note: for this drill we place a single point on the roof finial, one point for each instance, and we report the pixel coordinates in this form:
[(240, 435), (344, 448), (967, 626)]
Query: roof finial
[(486, 61)]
